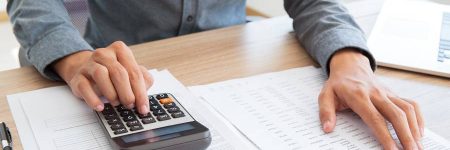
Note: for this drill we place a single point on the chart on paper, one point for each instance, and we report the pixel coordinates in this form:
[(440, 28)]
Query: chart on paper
[(58, 128), (280, 111)]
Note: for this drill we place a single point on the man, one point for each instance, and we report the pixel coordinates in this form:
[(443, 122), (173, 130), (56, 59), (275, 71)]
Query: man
[(51, 43)]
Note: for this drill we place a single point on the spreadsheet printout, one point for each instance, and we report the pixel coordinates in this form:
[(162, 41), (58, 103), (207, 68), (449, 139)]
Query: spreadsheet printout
[(280, 111)]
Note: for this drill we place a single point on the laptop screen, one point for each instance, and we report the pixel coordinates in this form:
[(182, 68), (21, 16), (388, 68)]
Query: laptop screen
[(444, 44)]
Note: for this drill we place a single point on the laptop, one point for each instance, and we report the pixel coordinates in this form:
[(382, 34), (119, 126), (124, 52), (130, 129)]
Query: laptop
[(413, 35)]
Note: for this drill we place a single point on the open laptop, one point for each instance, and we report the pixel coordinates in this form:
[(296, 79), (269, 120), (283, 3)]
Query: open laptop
[(413, 35)]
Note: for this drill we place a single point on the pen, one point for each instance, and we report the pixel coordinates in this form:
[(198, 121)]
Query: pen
[(5, 137)]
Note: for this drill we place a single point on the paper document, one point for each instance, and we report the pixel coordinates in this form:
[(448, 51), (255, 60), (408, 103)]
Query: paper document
[(280, 111), (225, 136), (52, 118)]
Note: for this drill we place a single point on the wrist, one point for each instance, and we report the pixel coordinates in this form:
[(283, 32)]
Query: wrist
[(349, 58), (67, 66)]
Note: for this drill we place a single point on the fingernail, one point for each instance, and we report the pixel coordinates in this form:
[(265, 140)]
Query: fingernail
[(422, 132), (326, 126), (144, 109), (419, 144), (130, 106), (115, 103), (99, 107)]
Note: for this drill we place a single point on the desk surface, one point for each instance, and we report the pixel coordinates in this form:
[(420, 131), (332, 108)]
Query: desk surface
[(238, 51)]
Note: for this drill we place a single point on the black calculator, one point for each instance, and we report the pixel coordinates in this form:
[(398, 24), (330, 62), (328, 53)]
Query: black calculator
[(167, 126)]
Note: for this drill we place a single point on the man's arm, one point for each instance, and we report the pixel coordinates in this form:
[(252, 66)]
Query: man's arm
[(332, 38), (45, 32), (324, 27), (53, 45)]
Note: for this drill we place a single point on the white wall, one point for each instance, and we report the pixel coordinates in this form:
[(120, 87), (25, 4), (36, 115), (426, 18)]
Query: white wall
[(8, 43)]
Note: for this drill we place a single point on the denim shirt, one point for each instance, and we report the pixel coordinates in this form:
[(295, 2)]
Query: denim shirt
[(46, 33)]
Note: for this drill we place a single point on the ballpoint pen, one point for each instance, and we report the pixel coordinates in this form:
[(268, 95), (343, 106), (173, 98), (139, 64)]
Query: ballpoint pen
[(5, 137)]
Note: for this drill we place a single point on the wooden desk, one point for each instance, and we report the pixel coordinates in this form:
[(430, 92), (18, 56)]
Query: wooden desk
[(206, 57), (3, 16)]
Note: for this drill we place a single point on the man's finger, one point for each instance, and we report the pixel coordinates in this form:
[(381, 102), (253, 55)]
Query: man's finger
[(147, 77), (100, 75), (412, 119), (136, 78), (87, 93), (121, 82), (118, 75), (398, 119), (327, 109), (363, 106), (419, 115)]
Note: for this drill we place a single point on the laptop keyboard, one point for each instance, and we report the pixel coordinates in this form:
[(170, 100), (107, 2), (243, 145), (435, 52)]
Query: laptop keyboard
[(444, 44)]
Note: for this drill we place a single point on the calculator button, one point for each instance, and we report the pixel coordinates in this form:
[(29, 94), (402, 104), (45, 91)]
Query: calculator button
[(108, 106), (117, 126), (121, 108), (163, 117), (120, 131), (148, 120), (106, 112), (129, 118), (178, 114), (173, 109), (133, 123), (169, 105), (136, 127), (153, 102), (108, 109), (126, 113), (114, 120), (110, 116), (161, 96), (144, 116), (159, 112), (165, 100), (150, 98), (155, 107)]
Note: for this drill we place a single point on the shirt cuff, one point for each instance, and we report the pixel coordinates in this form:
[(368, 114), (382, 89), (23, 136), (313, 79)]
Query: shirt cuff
[(331, 41), (54, 46)]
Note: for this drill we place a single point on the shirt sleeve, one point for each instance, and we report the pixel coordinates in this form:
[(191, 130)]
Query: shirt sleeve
[(324, 27), (45, 32)]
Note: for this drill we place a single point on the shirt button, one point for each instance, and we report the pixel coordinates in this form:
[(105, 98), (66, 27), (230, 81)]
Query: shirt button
[(190, 18)]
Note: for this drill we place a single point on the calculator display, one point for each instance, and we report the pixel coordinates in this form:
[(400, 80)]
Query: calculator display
[(184, 130), (157, 132)]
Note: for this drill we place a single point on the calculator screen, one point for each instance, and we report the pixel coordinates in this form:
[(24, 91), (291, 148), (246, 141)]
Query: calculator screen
[(153, 134)]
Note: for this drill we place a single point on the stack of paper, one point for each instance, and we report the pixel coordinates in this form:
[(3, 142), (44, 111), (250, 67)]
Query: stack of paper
[(53, 118), (280, 111)]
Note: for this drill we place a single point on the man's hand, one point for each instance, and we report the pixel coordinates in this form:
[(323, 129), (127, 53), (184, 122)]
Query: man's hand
[(353, 85), (111, 72)]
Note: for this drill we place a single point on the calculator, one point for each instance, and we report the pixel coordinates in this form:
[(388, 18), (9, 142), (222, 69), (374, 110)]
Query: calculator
[(167, 126)]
